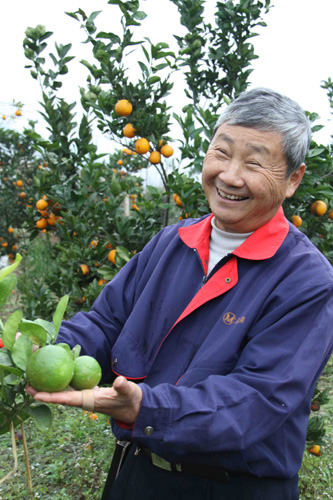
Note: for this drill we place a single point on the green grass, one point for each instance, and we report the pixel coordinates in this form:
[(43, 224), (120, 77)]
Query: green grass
[(68, 462)]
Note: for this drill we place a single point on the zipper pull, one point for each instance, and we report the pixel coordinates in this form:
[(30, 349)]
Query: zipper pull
[(137, 451)]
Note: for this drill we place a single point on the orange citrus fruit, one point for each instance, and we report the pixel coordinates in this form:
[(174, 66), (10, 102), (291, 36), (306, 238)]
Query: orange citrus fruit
[(18, 112), (50, 368), (155, 157), (112, 256), (85, 269), (129, 131), (142, 146), (167, 150), (41, 223), (119, 162), (51, 220), (330, 214), (41, 204), (318, 207), (177, 200), (297, 221), (22, 195), (87, 373), (4, 244), (123, 107), (315, 450), (19, 183), (10, 230)]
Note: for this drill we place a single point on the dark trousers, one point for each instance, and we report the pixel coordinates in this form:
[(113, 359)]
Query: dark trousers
[(140, 480)]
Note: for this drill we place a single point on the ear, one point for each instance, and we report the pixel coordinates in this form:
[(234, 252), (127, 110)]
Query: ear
[(295, 180)]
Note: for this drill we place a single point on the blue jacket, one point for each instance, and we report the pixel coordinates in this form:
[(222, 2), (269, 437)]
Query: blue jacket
[(228, 364)]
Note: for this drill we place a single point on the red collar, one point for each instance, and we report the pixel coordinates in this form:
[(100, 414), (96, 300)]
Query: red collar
[(262, 244)]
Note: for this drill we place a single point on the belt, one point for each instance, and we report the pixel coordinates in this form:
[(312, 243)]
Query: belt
[(209, 471)]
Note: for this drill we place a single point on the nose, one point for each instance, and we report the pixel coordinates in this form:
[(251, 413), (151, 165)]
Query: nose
[(232, 174)]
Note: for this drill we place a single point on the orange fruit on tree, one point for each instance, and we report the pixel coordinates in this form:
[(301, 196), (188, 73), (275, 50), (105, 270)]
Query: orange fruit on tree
[(112, 256), (50, 368), (297, 221), (177, 200), (19, 183), (101, 282), (10, 230), (14, 247), (87, 373), (167, 150), (330, 214), (41, 223), (4, 244), (85, 269), (119, 162), (155, 157), (94, 243), (41, 204), (18, 112), (52, 219), (142, 146), (4, 117), (22, 195), (135, 207), (127, 151), (129, 131), (123, 107), (318, 207)]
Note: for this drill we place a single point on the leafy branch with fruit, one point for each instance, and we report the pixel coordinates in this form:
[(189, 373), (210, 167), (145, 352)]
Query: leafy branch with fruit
[(29, 355)]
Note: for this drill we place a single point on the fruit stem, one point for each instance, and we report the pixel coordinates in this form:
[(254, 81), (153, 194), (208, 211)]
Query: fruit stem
[(26, 456), (12, 435)]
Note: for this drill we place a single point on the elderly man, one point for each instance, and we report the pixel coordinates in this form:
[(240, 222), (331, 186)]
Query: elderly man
[(216, 333)]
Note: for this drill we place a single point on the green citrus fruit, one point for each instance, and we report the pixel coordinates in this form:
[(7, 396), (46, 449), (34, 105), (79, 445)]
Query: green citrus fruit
[(87, 373), (50, 369)]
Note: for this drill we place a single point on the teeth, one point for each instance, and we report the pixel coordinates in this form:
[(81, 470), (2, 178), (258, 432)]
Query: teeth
[(230, 196)]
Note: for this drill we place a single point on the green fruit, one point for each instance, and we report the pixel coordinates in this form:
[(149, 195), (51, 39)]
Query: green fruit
[(87, 373), (50, 369)]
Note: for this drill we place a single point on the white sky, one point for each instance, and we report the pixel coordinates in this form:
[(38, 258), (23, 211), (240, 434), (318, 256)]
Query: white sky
[(295, 50)]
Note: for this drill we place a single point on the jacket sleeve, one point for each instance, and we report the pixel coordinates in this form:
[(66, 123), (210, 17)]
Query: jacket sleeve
[(276, 372), (97, 330)]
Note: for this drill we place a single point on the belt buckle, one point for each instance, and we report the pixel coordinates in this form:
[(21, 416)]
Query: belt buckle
[(164, 464)]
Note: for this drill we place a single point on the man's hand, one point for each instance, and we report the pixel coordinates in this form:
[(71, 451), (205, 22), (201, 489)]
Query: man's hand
[(122, 401)]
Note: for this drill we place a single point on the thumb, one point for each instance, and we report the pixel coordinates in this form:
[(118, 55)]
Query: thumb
[(121, 385)]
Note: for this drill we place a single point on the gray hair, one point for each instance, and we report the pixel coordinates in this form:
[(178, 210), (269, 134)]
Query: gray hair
[(269, 111)]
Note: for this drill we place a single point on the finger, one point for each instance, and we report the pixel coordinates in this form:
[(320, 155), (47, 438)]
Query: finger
[(69, 398)]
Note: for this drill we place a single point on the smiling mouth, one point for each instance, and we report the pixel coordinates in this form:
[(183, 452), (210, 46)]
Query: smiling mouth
[(231, 196)]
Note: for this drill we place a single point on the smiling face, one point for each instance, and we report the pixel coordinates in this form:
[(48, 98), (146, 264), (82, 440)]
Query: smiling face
[(245, 179)]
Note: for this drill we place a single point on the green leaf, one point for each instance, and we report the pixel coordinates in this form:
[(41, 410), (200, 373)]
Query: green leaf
[(154, 79), (21, 352), (35, 332), (59, 314), (13, 378), (10, 329), (9, 269), (49, 327), (76, 351), (64, 346), (123, 253), (42, 416), (5, 359), (7, 285)]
